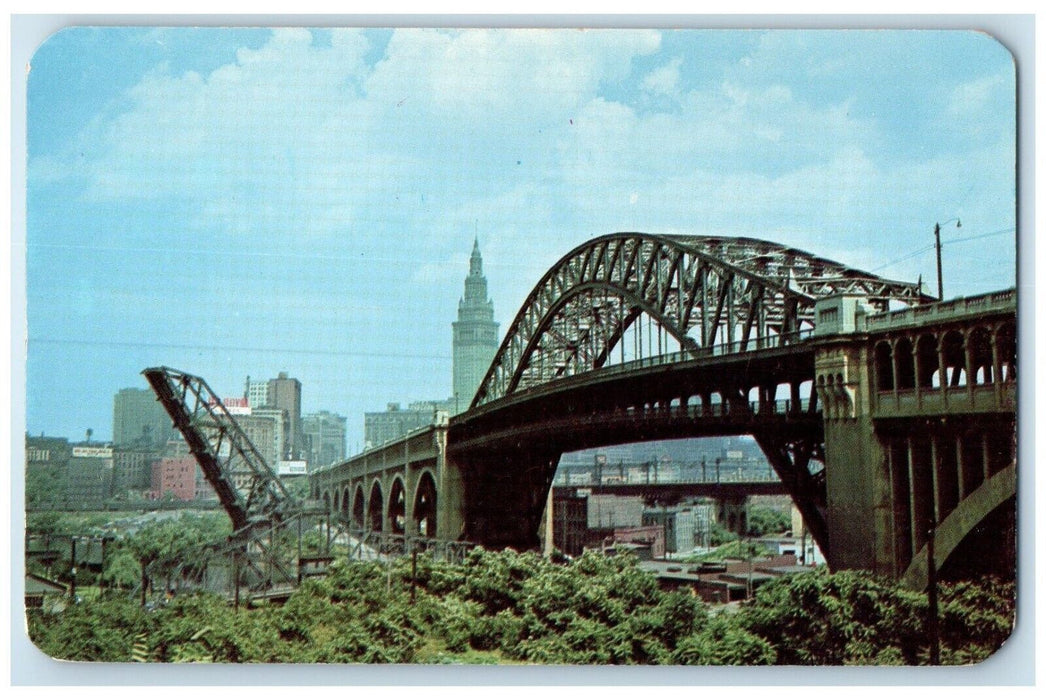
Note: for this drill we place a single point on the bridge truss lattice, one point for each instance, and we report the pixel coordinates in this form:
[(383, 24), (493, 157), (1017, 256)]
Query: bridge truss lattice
[(701, 291), (265, 548)]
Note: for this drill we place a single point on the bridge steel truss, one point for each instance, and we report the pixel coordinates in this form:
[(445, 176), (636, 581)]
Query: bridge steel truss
[(717, 299), (510, 448), (266, 519), (224, 452), (703, 291)]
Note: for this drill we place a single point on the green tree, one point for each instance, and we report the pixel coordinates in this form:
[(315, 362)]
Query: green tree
[(849, 617), (161, 549), (504, 606), (767, 521), (976, 619), (723, 643), (103, 630), (47, 523), (121, 568), (44, 486)]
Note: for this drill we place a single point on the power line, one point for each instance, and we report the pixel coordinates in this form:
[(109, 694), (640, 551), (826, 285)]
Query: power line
[(980, 235), (924, 249), (903, 258), (233, 348)]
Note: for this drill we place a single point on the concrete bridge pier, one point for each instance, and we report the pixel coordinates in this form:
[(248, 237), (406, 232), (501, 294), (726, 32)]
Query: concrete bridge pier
[(732, 513), (506, 494), (450, 503), (858, 488), (919, 438)]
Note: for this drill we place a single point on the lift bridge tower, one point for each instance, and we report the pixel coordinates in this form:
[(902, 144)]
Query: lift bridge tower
[(265, 517)]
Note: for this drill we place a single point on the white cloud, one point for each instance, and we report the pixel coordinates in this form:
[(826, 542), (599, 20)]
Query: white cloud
[(974, 96), (491, 74), (664, 80), (513, 129), (251, 140), (536, 140)]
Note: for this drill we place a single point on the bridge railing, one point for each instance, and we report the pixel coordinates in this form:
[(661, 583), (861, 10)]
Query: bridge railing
[(726, 476), (721, 409), (1005, 300), (735, 348), (768, 342), (365, 544)]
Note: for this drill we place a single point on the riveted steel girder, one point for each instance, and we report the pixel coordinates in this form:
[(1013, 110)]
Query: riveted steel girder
[(702, 291), (248, 489)]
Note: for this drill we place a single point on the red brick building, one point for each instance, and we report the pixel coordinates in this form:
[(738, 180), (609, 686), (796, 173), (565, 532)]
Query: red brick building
[(176, 476)]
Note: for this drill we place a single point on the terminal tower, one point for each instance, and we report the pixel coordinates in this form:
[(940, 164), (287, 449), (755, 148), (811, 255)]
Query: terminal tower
[(475, 334)]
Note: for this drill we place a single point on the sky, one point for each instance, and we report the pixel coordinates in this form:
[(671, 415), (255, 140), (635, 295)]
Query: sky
[(235, 202)]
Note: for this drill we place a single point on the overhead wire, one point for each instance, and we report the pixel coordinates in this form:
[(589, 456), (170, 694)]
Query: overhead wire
[(926, 248)]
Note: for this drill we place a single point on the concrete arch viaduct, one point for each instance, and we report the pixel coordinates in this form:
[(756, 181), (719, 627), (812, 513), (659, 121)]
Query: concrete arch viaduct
[(882, 410)]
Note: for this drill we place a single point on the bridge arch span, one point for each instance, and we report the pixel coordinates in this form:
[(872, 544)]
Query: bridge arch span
[(961, 523), (978, 355), (376, 508), (359, 507), (424, 512), (397, 507), (702, 291)]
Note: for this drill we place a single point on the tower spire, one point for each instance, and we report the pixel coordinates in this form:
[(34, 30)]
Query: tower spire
[(475, 260), (475, 332)]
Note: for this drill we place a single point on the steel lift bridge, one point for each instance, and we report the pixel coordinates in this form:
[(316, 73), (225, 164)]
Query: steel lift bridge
[(265, 548)]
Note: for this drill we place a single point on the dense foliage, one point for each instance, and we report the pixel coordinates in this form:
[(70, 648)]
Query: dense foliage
[(767, 521), (133, 541), (504, 607)]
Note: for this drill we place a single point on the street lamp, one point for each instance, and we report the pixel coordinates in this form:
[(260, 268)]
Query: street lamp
[(937, 243)]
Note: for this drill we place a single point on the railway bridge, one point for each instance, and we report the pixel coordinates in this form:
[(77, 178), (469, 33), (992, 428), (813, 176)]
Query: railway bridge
[(887, 414)]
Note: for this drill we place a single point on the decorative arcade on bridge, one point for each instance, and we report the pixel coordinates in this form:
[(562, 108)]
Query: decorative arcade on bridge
[(885, 413)]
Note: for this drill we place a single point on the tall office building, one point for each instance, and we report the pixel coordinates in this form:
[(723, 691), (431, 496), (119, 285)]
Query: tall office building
[(380, 427), (256, 393), (475, 334), (275, 451), (140, 420), (326, 433), (280, 394), (132, 469), (285, 393)]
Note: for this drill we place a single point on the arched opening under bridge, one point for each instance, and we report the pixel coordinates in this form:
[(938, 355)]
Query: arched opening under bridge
[(424, 515), (375, 508)]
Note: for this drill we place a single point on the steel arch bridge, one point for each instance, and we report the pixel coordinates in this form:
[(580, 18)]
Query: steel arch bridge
[(895, 419), (701, 291)]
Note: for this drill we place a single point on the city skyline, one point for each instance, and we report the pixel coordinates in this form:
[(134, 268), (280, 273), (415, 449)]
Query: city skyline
[(244, 202)]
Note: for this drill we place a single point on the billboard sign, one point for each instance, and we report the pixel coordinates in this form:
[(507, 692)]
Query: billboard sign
[(104, 452), (292, 467)]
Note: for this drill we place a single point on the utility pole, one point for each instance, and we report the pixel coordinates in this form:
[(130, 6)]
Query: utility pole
[(72, 585), (299, 550), (931, 594), (937, 245), (413, 573), (750, 565), (940, 278), (236, 580)]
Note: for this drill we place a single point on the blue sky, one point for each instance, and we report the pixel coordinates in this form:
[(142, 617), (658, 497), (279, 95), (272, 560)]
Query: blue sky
[(243, 202)]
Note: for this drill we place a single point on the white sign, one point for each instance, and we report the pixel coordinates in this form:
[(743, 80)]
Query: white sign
[(106, 452), (236, 406), (297, 466)]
